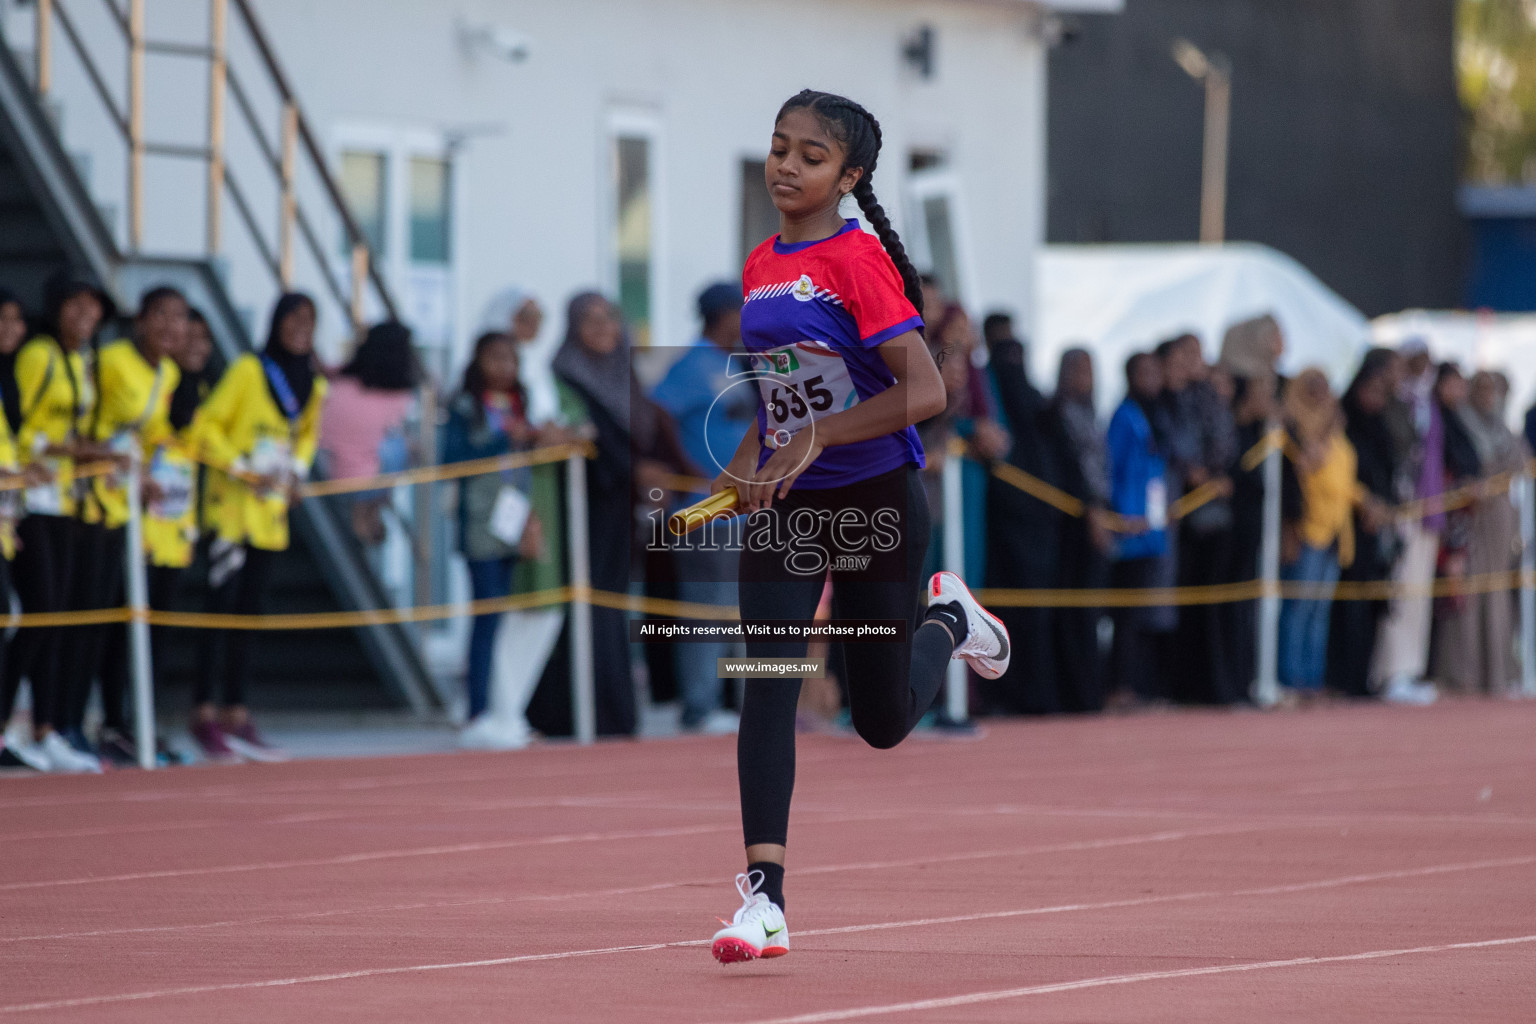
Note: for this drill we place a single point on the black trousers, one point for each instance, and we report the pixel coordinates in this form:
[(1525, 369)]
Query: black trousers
[(42, 577), (224, 656), (1201, 668), (890, 685), (1079, 664), (1137, 657), (7, 698), (163, 584), (96, 582)]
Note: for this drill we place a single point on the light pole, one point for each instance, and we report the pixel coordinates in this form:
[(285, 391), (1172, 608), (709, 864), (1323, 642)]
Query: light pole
[(1216, 72)]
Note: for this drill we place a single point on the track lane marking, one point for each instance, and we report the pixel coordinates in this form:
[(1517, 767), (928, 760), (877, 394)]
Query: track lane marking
[(969, 855), (996, 995), (849, 1014)]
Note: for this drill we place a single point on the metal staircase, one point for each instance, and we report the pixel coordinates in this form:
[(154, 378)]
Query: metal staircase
[(53, 212)]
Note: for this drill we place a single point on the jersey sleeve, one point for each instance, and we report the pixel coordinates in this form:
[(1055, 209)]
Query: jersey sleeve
[(871, 291)]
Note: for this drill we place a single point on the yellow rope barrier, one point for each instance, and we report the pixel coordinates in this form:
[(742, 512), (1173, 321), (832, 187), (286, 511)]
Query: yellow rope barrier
[(1221, 593), (447, 471), (84, 471)]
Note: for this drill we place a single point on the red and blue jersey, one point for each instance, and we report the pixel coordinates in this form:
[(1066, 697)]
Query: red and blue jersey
[(814, 316)]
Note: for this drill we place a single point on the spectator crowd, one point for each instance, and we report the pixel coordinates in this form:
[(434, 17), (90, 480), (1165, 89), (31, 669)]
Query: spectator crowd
[(1166, 493)]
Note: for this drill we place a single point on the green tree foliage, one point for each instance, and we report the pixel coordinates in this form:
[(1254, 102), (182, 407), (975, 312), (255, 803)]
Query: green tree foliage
[(1496, 70)]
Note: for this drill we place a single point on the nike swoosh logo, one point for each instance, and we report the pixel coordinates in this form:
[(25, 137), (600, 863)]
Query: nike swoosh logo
[(1002, 641), (771, 932)]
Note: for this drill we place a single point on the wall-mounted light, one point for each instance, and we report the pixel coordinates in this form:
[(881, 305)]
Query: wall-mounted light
[(917, 50), (499, 41)]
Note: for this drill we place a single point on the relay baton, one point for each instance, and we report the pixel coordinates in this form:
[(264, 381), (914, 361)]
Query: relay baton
[(700, 512)]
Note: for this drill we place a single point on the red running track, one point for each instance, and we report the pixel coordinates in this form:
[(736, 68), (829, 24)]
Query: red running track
[(1335, 865)]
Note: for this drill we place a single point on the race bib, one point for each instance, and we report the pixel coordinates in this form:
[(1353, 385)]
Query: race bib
[(45, 499), (800, 383), (271, 457), (1157, 504), (509, 515), (120, 443), (174, 479)]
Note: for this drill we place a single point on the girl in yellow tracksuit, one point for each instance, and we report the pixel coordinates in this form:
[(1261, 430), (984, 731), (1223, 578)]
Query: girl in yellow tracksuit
[(135, 379), (258, 430), (57, 396)]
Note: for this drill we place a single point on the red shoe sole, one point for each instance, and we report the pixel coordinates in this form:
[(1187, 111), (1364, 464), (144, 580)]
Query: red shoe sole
[(735, 951), (981, 666)]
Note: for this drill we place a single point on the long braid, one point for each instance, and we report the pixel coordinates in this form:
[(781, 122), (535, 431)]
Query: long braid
[(859, 132)]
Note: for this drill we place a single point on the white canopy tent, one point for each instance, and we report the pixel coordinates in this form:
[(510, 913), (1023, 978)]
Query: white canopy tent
[(1478, 341), (1119, 299)]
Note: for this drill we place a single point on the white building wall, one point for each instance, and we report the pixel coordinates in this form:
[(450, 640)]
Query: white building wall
[(533, 197), (532, 177)]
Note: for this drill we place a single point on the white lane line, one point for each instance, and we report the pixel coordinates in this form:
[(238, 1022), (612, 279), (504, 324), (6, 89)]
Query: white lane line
[(362, 858), (969, 855), (128, 997), (635, 801), (996, 995), (421, 851), (1144, 901), (1326, 883)]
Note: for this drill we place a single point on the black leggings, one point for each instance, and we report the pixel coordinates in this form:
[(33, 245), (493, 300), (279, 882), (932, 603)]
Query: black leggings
[(97, 582), (163, 582), (890, 685), (243, 593), (42, 576)]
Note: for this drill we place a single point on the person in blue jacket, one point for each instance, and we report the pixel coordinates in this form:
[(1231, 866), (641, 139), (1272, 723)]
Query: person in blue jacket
[(1139, 494), (712, 415)]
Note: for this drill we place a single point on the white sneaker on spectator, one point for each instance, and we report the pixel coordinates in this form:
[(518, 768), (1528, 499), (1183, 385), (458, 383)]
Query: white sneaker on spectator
[(720, 722), (62, 757), (757, 930), (30, 754), (1405, 690), (488, 732)]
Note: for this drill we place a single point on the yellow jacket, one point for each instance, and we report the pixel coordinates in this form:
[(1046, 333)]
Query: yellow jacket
[(10, 500), (170, 524), (241, 431), (134, 404), (57, 397), (1329, 495)]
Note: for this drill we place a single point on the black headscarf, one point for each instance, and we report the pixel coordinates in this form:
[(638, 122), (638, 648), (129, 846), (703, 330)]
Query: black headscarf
[(604, 379), (1370, 432), (299, 371), (10, 391)]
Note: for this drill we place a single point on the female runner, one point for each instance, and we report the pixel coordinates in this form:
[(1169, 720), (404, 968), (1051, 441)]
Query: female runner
[(833, 315)]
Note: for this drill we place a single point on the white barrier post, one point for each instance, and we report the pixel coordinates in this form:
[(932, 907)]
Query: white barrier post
[(141, 667), (956, 702), (583, 702), (1266, 687), (1527, 507)]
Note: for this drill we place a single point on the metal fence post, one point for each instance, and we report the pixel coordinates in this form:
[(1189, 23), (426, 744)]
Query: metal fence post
[(1527, 506), (141, 667), (1266, 687), (956, 698), (583, 688)]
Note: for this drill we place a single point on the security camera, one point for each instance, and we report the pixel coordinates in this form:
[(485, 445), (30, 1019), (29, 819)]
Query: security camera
[(509, 44), (499, 41)]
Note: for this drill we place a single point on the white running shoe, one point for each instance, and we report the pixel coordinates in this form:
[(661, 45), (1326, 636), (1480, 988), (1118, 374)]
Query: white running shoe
[(61, 757), (985, 644), (757, 930), (1404, 689), (488, 732)]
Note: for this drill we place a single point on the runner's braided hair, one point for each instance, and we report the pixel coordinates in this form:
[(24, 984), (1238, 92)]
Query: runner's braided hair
[(859, 132)]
